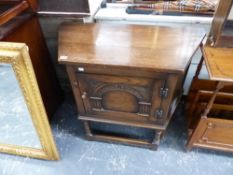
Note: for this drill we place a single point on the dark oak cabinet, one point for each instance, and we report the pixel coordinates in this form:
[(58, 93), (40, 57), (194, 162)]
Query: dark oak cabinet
[(122, 75)]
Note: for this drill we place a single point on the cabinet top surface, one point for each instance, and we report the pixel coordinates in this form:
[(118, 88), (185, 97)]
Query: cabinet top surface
[(219, 62), (129, 46)]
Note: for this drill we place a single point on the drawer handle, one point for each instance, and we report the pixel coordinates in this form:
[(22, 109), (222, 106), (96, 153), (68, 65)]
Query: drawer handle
[(84, 95)]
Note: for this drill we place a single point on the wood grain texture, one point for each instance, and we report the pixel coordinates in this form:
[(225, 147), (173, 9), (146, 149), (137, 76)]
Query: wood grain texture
[(13, 8), (129, 46), (13, 24), (13, 12), (219, 63)]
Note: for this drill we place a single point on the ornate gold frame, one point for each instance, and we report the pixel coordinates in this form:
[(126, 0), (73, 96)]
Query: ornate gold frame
[(17, 55)]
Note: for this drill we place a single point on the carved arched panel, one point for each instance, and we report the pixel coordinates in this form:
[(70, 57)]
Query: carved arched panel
[(124, 95), (119, 97)]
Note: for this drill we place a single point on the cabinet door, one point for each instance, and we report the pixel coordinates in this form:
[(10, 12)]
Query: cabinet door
[(120, 97)]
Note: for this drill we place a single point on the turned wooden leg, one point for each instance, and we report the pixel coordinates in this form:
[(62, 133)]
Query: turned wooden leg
[(156, 139), (87, 129), (199, 67)]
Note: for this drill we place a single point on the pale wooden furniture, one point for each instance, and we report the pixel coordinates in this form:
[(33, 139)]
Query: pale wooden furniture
[(219, 62), (210, 102), (127, 75)]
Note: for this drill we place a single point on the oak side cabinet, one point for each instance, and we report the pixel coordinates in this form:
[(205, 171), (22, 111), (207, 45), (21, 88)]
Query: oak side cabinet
[(128, 75)]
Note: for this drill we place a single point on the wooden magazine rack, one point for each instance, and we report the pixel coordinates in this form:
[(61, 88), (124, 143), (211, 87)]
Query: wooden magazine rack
[(210, 102)]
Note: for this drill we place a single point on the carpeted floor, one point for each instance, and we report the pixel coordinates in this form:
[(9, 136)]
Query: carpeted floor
[(79, 156)]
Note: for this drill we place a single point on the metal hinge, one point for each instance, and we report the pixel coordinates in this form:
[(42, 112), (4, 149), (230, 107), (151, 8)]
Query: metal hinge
[(163, 92), (159, 113)]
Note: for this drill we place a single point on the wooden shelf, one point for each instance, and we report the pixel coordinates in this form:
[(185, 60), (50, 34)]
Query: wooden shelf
[(219, 63)]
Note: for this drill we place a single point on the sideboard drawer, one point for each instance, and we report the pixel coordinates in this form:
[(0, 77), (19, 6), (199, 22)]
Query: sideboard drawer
[(121, 96)]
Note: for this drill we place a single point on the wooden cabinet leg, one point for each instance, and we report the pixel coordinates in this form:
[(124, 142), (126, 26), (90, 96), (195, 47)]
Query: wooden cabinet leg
[(87, 129), (123, 140), (156, 140)]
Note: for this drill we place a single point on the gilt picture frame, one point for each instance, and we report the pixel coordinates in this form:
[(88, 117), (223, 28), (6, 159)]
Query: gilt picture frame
[(17, 55)]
